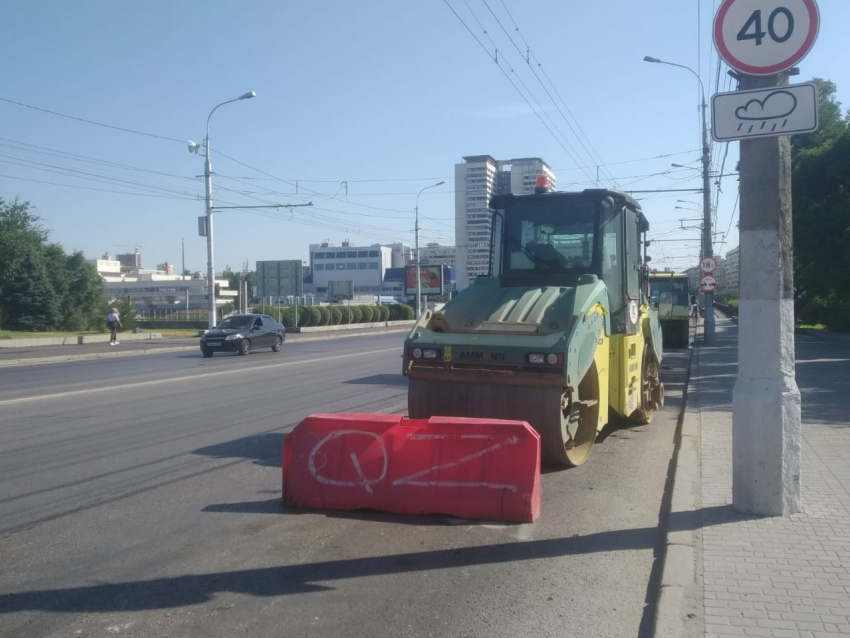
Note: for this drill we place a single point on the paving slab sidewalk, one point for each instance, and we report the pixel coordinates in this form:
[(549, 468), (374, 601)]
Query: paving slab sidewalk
[(762, 576)]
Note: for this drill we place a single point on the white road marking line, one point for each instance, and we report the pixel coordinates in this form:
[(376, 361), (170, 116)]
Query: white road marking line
[(190, 377)]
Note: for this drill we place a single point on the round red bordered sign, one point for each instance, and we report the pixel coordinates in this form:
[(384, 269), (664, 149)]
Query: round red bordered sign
[(764, 37), (708, 283)]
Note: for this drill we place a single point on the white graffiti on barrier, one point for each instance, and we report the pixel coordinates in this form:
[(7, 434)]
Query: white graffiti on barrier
[(411, 479), (364, 482)]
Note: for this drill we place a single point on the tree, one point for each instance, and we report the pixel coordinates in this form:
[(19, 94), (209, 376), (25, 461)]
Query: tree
[(821, 208), (21, 237), (30, 303), (833, 123)]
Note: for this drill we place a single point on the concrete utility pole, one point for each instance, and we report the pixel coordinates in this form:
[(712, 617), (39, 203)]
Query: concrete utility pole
[(766, 400), (707, 248), (418, 308), (209, 210)]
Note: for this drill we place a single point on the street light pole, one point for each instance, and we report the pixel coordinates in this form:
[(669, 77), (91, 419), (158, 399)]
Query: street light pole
[(707, 248), (208, 187), (416, 235)]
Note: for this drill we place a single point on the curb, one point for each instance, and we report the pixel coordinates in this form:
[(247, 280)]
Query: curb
[(295, 338), (679, 608), (824, 335)]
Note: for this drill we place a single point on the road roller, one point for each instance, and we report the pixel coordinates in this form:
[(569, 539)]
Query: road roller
[(560, 333)]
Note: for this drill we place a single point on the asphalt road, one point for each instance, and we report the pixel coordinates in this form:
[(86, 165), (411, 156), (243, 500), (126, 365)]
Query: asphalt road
[(141, 497)]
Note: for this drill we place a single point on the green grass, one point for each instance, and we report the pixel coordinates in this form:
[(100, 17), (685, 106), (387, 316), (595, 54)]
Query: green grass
[(12, 334), (811, 326)]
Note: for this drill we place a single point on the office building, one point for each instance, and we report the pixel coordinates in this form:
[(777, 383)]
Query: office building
[(157, 291), (364, 266), (477, 179), (435, 254)]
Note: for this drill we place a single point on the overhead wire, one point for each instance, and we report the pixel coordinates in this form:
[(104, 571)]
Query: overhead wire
[(516, 88), (543, 86), (93, 122)]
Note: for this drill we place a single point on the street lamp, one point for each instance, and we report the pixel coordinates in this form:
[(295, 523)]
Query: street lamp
[(707, 250), (416, 234), (193, 148)]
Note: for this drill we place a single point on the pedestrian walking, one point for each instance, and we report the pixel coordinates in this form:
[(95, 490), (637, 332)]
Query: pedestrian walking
[(113, 322)]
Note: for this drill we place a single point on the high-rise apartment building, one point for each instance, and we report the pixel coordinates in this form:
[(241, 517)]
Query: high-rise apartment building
[(732, 272), (477, 179), (130, 261)]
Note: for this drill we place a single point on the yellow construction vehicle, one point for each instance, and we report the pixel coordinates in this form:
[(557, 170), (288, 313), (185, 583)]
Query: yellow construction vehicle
[(560, 334)]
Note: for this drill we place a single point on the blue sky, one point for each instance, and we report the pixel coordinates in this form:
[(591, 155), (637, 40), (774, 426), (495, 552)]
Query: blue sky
[(363, 103)]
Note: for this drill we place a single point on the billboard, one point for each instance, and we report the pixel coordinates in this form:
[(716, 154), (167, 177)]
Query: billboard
[(431, 278), (340, 290), (280, 278)]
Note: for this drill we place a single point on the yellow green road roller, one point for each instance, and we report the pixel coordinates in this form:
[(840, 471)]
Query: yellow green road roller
[(560, 334)]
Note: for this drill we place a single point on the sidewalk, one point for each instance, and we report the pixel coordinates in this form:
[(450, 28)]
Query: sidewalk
[(759, 576)]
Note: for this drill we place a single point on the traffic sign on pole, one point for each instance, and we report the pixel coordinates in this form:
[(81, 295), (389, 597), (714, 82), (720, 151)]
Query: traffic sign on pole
[(765, 37), (767, 112), (708, 265), (708, 283)]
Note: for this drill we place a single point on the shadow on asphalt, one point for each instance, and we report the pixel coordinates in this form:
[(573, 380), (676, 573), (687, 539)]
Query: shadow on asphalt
[(264, 449), (182, 591)]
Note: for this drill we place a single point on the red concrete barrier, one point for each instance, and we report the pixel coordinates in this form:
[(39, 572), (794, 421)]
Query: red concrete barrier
[(471, 468)]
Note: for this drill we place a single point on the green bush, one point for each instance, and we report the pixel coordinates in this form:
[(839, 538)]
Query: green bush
[(838, 316), (356, 314), (384, 312), (733, 307), (345, 315), (315, 315), (336, 315), (406, 312), (395, 311), (287, 317), (368, 313), (325, 313), (305, 318)]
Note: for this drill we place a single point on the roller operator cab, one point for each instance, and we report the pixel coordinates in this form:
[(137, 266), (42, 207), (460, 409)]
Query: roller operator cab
[(560, 334), (669, 294)]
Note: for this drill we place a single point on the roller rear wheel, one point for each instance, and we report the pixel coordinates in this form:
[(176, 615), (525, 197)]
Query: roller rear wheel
[(652, 390)]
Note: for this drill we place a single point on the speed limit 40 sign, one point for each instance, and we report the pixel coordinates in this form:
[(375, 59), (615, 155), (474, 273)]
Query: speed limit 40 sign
[(764, 37)]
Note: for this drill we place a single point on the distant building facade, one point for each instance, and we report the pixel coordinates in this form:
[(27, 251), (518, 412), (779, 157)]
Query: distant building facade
[(732, 270), (477, 179), (130, 261), (435, 254), (154, 291)]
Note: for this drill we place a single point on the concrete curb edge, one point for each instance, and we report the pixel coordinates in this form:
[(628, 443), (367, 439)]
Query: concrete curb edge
[(130, 353), (679, 606)]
